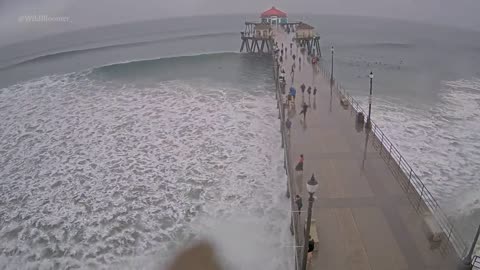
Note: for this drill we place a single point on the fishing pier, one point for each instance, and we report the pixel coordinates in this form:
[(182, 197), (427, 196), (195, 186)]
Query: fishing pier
[(363, 205)]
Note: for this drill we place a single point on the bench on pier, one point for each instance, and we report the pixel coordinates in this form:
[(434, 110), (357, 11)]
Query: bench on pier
[(433, 229), (313, 233)]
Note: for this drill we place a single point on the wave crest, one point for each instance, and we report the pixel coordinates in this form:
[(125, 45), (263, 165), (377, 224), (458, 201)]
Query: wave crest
[(51, 55)]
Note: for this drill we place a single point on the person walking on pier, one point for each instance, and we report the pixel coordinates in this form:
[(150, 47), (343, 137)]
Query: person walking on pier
[(314, 92), (282, 75), (299, 203), (311, 247), (293, 93), (299, 60), (304, 111), (309, 91), (293, 56), (288, 124), (299, 167), (303, 88)]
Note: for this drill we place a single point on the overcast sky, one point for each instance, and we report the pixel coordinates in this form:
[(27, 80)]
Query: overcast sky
[(88, 13)]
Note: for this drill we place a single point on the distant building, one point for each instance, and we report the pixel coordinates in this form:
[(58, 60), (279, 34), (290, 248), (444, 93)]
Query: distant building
[(305, 30), (274, 16), (263, 30)]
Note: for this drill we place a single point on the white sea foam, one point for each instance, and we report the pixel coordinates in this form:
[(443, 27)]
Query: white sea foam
[(441, 142), (95, 174)]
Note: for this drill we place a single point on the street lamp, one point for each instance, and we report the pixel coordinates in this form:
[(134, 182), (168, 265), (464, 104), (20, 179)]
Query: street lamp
[(369, 122), (331, 73), (467, 260), (312, 186)]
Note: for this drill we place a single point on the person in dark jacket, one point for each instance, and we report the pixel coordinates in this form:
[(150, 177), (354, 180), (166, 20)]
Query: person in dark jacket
[(299, 167), (288, 124), (304, 111), (298, 202), (311, 248)]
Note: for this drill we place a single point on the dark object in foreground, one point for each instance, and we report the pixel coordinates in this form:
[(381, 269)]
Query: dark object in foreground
[(198, 257)]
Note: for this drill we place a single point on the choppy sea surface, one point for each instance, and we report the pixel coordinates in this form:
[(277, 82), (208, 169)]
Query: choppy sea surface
[(98, 171), (120, 144)]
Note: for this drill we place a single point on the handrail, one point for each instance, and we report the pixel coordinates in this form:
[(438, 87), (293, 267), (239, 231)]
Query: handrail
[(426, 197), (476, 262), (299, 235)]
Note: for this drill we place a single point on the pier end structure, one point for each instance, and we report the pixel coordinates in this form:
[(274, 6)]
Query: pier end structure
[(259, 37), (307, 38)]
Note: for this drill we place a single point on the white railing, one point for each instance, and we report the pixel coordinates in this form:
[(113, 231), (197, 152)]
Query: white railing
[(414, 181), (476, 262), (296, 222)]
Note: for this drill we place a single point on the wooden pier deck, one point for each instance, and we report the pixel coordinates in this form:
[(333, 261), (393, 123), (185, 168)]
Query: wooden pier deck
[(364, 218)]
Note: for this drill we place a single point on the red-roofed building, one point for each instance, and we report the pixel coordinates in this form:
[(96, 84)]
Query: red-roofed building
[(274, 16)]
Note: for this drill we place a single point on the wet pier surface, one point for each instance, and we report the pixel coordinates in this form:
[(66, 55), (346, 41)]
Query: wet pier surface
[(364, 217)]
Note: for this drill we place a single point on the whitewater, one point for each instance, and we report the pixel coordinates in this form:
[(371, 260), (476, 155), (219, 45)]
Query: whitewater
[(107, 174), (120, 165)]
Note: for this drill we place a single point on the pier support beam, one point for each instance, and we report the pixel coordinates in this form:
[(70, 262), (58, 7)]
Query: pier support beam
[(252, 44)]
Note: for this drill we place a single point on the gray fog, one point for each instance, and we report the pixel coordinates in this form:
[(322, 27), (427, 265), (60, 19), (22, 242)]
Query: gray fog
[(90, 13)]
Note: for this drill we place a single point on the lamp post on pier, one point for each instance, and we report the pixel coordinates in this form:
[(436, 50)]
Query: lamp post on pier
[(331, 73), (467, 260), (312, 185), (369, 122)]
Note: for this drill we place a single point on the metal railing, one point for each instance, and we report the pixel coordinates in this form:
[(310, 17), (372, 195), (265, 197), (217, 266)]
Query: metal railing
[(296, 222), (476, 262), (425, 198)]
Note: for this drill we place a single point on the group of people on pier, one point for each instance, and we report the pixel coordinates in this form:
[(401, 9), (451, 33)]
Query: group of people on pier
[(281, 55)]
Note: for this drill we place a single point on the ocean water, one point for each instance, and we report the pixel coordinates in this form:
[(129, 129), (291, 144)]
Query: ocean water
[(121, 144), (426, 99), (106, 168)]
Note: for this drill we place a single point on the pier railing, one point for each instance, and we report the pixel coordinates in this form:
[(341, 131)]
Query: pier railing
[(296, 222), (424, 198), (476, 262)]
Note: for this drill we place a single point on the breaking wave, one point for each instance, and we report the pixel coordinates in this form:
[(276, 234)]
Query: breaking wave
[(116, 175), (57, 54)]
